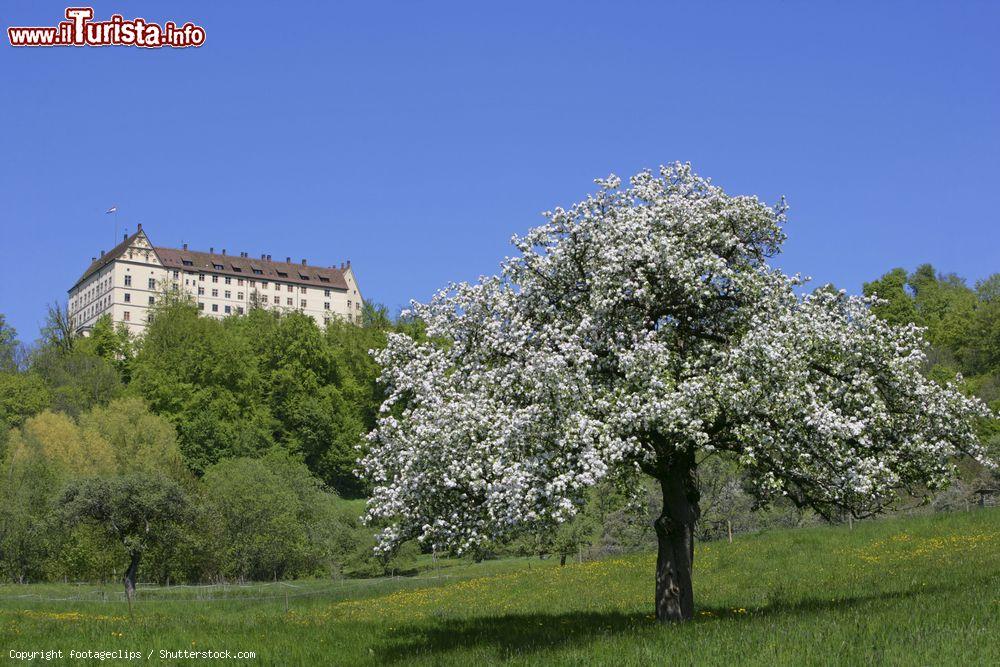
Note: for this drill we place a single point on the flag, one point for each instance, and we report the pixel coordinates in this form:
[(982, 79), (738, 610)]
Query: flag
[(113, 209)]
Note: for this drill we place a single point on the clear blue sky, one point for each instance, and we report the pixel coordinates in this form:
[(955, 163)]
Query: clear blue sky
[(415, 137)]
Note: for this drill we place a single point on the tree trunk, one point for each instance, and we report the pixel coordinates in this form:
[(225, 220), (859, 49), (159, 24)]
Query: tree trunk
[(675, 540), (562, 560), (130, 574)]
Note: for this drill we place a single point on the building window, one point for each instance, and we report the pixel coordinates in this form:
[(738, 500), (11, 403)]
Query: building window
[(187, 262), (218, 267), (215, 307), (128, 281), (177, 275), (326, 320), (357, 305), (258, 272), (239, 295), (127, 316), (348, 303), (277, 300), (152, 301), (326, 305), (239, 282), (215, 293), (201, 277), (229, 280), (303, 289), (215, 279), (201, 306), (326, 292), (290, 301), (263, 284), (229, 309), (201, 291), (291, 289), (303, 302), (152, 283), (253, 283), (239, 309), (128, 298), (229, 295)]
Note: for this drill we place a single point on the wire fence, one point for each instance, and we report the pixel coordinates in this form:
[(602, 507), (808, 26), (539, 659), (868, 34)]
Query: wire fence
[(221, 592)]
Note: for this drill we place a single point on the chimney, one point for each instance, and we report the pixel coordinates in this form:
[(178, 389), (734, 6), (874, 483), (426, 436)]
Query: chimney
[(185, 246), (102, 253), (303, 262), (94, 259), (341, 266), (263, 256), (348, 263), (125, 237), (139, 227), (211, 251), (223, 252), (288, 260)]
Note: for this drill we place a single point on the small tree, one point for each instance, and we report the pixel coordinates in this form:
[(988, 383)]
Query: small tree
[(637, 329), (10, 348), (138, 510)]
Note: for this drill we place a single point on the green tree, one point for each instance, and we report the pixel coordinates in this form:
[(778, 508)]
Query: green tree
[(9, 347), (897, 304), (56, 441), (260, 536), (138, 439), (21, 396), (137, 510), (77, 380), (203, 377), (57, 332), (112, 343)]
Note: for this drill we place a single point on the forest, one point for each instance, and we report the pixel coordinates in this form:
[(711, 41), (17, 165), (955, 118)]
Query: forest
[(225, 450)]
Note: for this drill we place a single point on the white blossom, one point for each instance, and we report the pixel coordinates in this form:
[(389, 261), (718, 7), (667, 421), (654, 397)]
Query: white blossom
[(641, 319)]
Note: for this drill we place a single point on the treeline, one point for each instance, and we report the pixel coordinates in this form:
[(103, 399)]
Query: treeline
[(232, 442)]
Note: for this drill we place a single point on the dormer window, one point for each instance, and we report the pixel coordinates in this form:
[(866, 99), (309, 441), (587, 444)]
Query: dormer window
[(218, 267), (187, 262)]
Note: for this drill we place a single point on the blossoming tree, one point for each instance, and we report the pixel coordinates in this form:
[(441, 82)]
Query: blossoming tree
[(636, 332)]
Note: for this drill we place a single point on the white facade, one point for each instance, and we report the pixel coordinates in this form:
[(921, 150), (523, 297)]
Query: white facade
[(127, 282)]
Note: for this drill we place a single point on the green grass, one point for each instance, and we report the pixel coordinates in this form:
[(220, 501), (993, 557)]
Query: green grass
[(916, 592)]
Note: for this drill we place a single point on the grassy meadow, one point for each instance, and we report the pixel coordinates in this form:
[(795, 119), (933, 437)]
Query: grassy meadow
[(920, 591)]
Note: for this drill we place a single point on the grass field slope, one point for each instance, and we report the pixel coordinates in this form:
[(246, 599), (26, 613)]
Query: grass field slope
[(922, 591)]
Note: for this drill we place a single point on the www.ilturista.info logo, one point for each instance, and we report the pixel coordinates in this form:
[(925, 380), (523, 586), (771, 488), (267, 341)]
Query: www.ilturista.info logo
[(80, 30)]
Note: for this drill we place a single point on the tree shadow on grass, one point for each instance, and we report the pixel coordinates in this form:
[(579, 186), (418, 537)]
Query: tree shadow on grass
[(527, 633)]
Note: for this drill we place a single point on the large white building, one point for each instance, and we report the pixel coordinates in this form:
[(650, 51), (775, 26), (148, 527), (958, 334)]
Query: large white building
[(127, 281)]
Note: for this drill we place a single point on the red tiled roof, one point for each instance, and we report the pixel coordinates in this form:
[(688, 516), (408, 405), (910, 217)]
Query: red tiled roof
[(243, 267)]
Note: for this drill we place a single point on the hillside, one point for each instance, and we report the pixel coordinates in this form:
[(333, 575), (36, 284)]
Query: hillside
[(902, 591)]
